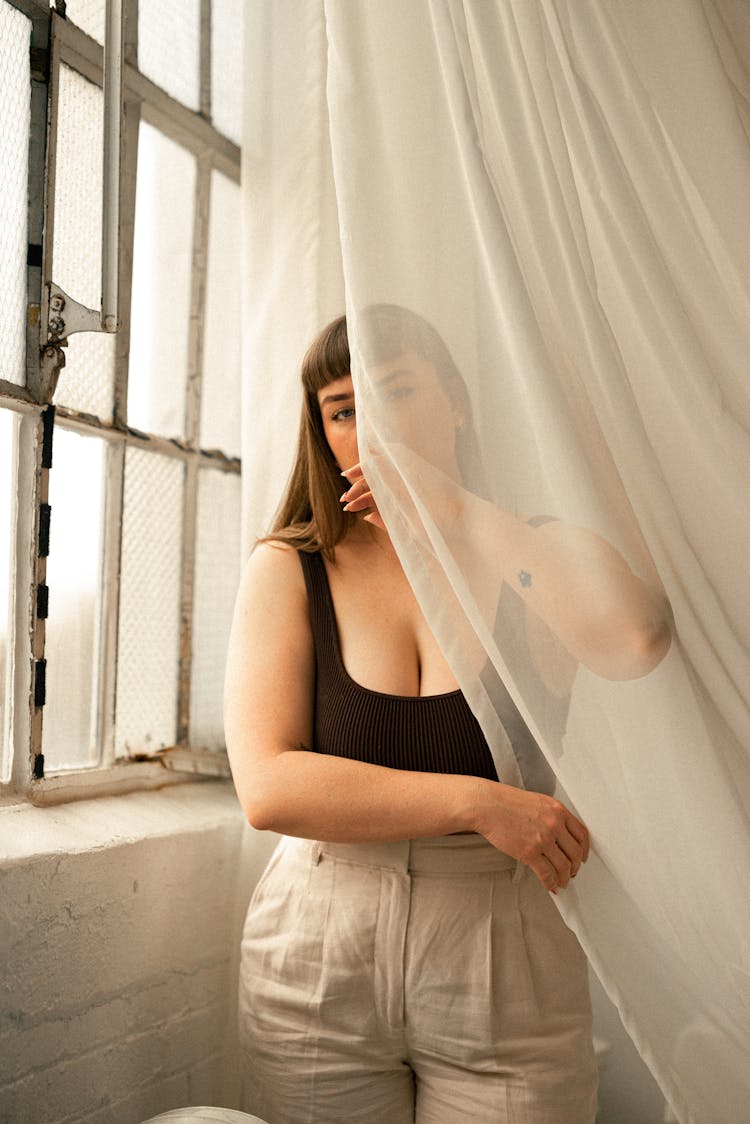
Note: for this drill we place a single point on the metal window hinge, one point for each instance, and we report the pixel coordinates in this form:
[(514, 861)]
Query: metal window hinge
[(48, 429), (40, 682), (42, 602), (64, 317), (67, 316), (45, 514)]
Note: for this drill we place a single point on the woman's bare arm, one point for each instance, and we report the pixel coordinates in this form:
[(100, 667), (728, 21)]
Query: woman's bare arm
[(604, 615), (285, 787)]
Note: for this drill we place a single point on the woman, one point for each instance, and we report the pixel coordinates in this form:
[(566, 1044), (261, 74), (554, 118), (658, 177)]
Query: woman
[(401, 958)]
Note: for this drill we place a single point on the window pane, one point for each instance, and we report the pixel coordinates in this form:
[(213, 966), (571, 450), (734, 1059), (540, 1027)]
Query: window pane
[(8, 424), (162, 267), (15, 92), (220, 410), (77, 244), (217, 572), (226, 67), (148, 644), (76, 495), (88, 15), (87, 380), (169, 47)]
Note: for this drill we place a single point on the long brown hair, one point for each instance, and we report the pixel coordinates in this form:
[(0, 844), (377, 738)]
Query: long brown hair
[(310, 516)]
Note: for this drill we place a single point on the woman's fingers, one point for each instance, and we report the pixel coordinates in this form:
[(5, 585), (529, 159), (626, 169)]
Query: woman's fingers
[(568, 850), (546, 873), (358, 496), (570, 846), (357, 491), (580, 833), (352, 473), (564, 860), (538, 830)]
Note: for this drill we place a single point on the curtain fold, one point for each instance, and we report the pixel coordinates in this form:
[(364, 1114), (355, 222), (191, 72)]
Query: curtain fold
[(560, 189)]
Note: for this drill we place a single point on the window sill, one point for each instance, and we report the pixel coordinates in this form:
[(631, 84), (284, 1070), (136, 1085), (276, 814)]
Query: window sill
[(165, 768), (28, 831)]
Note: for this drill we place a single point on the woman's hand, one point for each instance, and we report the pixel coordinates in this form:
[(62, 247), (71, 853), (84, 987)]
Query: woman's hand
[(537, 829), (358, 497)]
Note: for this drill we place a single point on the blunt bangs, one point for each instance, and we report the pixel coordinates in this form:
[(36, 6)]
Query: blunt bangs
[(328, 357)]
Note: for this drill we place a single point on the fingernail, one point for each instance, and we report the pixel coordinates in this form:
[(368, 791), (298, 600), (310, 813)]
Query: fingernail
[(347, 506), (343, 496)]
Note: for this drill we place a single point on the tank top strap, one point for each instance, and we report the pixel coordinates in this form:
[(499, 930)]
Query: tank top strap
[(322, 617)]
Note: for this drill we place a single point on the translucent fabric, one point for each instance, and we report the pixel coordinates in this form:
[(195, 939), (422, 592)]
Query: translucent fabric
[(559, 440)]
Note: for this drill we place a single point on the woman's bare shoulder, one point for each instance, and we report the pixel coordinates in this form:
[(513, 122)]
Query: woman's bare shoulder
[(272, 583), (270, 662), (274, 564), (271, 612)]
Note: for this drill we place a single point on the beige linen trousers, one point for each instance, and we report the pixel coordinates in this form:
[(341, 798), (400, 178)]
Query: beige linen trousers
[(429, 981)]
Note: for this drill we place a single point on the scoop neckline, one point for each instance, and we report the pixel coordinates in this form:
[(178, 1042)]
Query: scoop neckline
[(353, 682)]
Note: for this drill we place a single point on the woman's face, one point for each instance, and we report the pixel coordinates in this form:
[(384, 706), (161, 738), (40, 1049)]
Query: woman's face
[(409, 404), (413, 408), (336, 401)]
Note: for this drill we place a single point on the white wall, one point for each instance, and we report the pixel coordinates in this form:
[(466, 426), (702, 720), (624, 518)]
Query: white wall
[(119, 928)]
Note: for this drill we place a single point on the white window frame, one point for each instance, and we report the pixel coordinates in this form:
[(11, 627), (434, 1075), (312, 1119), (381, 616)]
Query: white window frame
[(142, 99)]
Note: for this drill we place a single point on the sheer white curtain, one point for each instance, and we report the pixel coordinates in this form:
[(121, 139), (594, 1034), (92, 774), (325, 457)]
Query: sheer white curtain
[(561, 188)]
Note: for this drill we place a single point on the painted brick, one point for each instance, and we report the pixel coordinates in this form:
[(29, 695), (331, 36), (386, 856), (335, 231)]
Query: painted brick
[(120, 941)]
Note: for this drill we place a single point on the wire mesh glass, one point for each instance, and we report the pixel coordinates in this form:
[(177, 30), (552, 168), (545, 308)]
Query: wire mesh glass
[(162, 273), (220, 400), (8, 430), (148, 643), (15, 89), (226, 67), (87, 380), (74, 567), (88, 15), (169, 47), (217, 571)]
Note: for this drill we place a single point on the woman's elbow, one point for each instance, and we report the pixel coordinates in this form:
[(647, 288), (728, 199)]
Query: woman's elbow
[(649, 647), (640, 649), (260, 811), (259, 815), (258, 804)]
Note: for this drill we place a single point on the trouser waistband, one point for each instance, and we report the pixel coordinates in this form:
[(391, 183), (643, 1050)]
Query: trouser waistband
[(442, 854)]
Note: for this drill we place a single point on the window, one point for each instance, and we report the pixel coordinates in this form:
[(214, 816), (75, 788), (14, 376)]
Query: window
[(119, 469)]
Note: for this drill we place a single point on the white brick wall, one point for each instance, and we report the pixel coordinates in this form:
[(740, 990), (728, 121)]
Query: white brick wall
[(119, 929)]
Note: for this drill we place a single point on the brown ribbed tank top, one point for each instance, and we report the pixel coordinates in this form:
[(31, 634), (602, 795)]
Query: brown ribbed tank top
[(429, 733)]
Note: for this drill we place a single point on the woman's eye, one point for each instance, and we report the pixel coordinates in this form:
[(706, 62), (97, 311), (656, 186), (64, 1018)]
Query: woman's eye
[(343, 415), (399, 392)]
